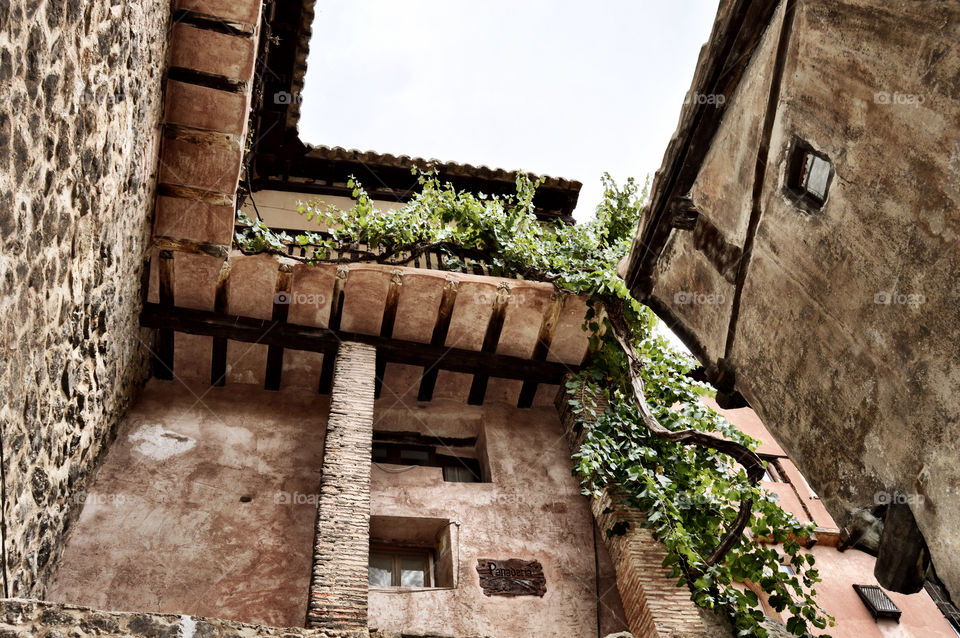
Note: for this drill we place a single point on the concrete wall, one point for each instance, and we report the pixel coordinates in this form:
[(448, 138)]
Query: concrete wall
[(846, 334), (78, 152), (532, 510)]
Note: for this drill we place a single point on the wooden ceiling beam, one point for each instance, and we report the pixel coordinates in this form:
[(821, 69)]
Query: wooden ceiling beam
[(326, 340), (491, 339), (428, 380), (551, 317)]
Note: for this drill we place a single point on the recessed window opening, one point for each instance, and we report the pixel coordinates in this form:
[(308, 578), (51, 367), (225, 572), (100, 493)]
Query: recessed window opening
[(809, 174), (460, 459), (409, 552)]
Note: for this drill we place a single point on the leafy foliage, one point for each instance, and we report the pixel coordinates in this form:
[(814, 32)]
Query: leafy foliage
[(690, 493)]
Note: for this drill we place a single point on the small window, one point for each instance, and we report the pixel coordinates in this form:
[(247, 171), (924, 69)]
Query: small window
[(787, 569), (460, 474), (400, 567), (877, 602), (771, 471), (809, 174), (429, 452)]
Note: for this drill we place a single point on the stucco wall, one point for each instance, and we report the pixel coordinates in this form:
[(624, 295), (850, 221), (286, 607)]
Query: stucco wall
[(78, 148), (532, 510), (846, 335), (205, 505)]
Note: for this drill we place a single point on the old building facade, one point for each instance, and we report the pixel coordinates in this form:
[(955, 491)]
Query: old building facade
[(346, 450), (802, 239)]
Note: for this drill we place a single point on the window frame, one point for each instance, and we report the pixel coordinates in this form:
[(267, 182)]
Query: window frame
[(397, 553), (394, 452), (794, 187)]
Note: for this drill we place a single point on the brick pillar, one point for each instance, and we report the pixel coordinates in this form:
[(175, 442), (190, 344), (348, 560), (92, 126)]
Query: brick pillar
[(654, 605), (338, 587)]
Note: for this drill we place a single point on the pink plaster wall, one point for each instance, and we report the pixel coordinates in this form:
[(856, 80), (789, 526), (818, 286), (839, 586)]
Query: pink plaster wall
[(532, 510), (839, 570), (164, 529)]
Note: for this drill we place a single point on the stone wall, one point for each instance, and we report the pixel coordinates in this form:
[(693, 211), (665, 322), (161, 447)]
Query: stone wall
[(78, 145), (36, 619)]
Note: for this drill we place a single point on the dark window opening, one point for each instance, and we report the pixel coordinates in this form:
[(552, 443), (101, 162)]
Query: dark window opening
[(772, 472), (809, 174), (457, 458)]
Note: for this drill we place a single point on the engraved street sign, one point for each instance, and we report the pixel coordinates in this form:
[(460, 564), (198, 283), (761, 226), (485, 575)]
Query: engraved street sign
[(513, 577)]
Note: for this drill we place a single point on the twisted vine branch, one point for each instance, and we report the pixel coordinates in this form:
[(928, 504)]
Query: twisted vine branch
[(741, 454)]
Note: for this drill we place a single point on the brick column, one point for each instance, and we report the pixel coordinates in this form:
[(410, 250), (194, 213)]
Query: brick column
[(338, 587), (653, 604)]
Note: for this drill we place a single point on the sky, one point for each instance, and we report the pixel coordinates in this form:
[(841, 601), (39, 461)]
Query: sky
[(561, 87)]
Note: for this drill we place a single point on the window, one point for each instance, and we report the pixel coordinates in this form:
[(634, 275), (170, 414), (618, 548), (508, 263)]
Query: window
[(400, 567), (771, 471), (456, 457), (877, 602), (413, 552), (809, 174)]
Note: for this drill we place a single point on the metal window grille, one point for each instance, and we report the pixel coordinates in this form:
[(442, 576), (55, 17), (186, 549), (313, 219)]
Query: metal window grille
[(877, 602)]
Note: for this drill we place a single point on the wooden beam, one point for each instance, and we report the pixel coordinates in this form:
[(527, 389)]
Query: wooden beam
[(542, 348), (189, 246), (163, 360), (281, 309), (336, 311), (478, 389), (218, 358), (428, 380), (325, 340), (386, 325)]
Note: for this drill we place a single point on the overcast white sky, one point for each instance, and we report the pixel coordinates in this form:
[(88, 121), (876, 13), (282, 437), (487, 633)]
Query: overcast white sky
[(557, 87)]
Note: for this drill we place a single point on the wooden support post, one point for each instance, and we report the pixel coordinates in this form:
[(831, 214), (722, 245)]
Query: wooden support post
[(336, 311), (542, 348), (478, 389), (386, 324), (163, 361), (218, 359), (281, 308), (428, 380)]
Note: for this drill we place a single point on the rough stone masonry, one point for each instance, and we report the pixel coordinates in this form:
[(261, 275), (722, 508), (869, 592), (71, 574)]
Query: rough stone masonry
[(81, 82)]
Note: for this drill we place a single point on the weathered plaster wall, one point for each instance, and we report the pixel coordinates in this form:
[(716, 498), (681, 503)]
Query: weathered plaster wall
[(205, 505), (78, 148), (532, 510), (688, 281), (846, 339), (875, 383)]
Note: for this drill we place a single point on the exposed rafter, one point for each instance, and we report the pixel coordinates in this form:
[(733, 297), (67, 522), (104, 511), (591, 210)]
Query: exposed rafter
[(326, 340)]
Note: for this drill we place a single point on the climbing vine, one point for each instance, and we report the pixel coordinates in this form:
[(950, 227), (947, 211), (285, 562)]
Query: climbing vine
[(649, 439)]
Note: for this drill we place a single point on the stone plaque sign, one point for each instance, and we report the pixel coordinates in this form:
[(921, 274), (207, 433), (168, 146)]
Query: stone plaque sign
[(512, 577)]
